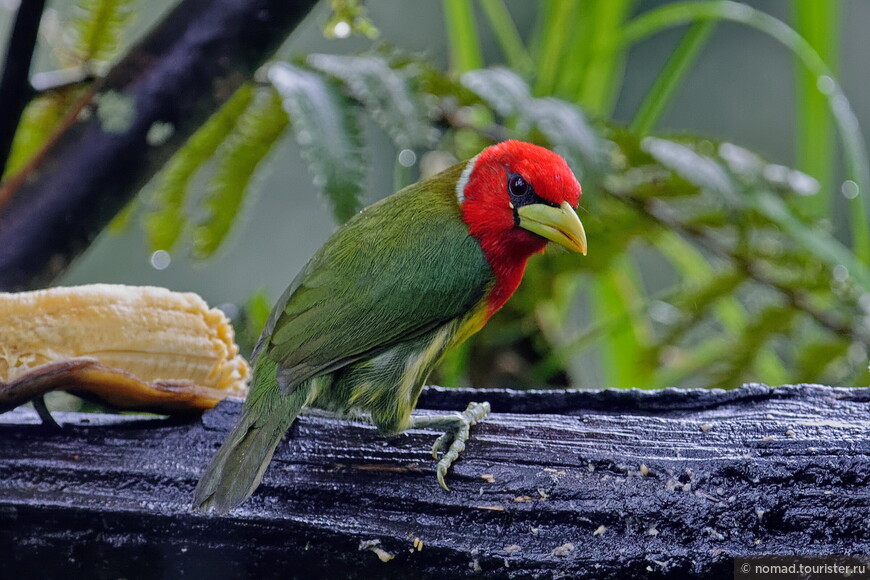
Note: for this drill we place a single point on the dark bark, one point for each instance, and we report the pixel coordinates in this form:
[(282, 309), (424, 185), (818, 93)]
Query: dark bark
[(610, 484), (184, 69)]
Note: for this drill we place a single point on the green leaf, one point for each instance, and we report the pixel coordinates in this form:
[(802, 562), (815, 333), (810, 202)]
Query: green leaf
[(38, 122), (261, 125), (386, 95), (327, 127), (97, 27), (165, 223)]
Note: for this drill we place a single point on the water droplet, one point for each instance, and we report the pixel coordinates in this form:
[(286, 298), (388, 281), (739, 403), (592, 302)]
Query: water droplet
[(341, 29), (849, 189), (826, 85), (160, 260), (840, 273), (407, 158), (159, 133)]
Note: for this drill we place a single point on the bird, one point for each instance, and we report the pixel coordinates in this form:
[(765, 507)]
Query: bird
[(367, 319)]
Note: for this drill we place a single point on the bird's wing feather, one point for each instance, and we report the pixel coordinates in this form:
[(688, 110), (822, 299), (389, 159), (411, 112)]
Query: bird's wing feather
[(405, 266)]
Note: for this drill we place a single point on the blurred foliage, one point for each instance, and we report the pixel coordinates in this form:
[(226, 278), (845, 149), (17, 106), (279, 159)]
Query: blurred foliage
[(89, 37), (758, 288), (95, 30), (249, 321)]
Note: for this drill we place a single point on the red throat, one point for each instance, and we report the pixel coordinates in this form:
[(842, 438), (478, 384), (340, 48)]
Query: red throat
[(508, 265), (490, 217)]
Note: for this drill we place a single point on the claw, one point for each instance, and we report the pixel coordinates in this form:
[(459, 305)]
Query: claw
[(439, 444), (439, 475), (457, 429)]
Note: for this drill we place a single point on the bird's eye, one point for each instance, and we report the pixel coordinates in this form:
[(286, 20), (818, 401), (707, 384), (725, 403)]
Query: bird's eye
[(517, 186), (521, 191)]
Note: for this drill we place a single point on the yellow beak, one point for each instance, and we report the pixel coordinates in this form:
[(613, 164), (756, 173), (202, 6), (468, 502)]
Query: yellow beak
[(557, 224)]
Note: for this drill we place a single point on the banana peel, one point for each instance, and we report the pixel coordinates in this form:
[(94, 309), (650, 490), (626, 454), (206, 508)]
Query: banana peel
[(134, 348)]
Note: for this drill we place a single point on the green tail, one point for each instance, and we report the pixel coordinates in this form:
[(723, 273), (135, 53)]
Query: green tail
[(237, 468)]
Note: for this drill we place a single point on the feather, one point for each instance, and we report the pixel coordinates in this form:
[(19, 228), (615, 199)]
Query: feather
[(237, 468)]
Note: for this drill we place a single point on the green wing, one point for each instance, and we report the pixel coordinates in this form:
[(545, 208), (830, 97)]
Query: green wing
[(403, 267)]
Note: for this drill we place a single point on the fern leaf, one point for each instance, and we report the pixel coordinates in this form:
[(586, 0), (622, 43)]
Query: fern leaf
[(165, 223), (570, 134), (502, 89), (327, 127), (40, 119), (257, 131), (697, 169), (97, 27), (562, 123), (386, 95)]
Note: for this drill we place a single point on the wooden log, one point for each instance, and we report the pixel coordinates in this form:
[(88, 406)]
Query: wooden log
[(581, 484)]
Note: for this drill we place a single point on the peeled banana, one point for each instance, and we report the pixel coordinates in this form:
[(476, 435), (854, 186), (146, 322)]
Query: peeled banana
[(131, 347)]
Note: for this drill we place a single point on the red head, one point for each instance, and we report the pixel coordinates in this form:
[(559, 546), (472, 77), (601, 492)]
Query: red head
[(516, 197)]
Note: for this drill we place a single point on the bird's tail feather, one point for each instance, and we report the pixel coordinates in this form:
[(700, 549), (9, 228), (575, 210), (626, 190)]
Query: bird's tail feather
[(237, 468)]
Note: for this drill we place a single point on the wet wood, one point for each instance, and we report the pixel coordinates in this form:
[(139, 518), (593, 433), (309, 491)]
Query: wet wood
[(664, 484)]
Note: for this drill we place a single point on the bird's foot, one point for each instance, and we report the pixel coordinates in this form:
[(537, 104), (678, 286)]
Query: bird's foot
[(457, 428)]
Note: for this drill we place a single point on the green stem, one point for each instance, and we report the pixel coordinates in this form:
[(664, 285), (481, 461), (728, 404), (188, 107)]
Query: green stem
[(598, 89), (463, 42), (854, 147), (560, 19), (615, 292), (508, 36), (671, 77), (818, 23)]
